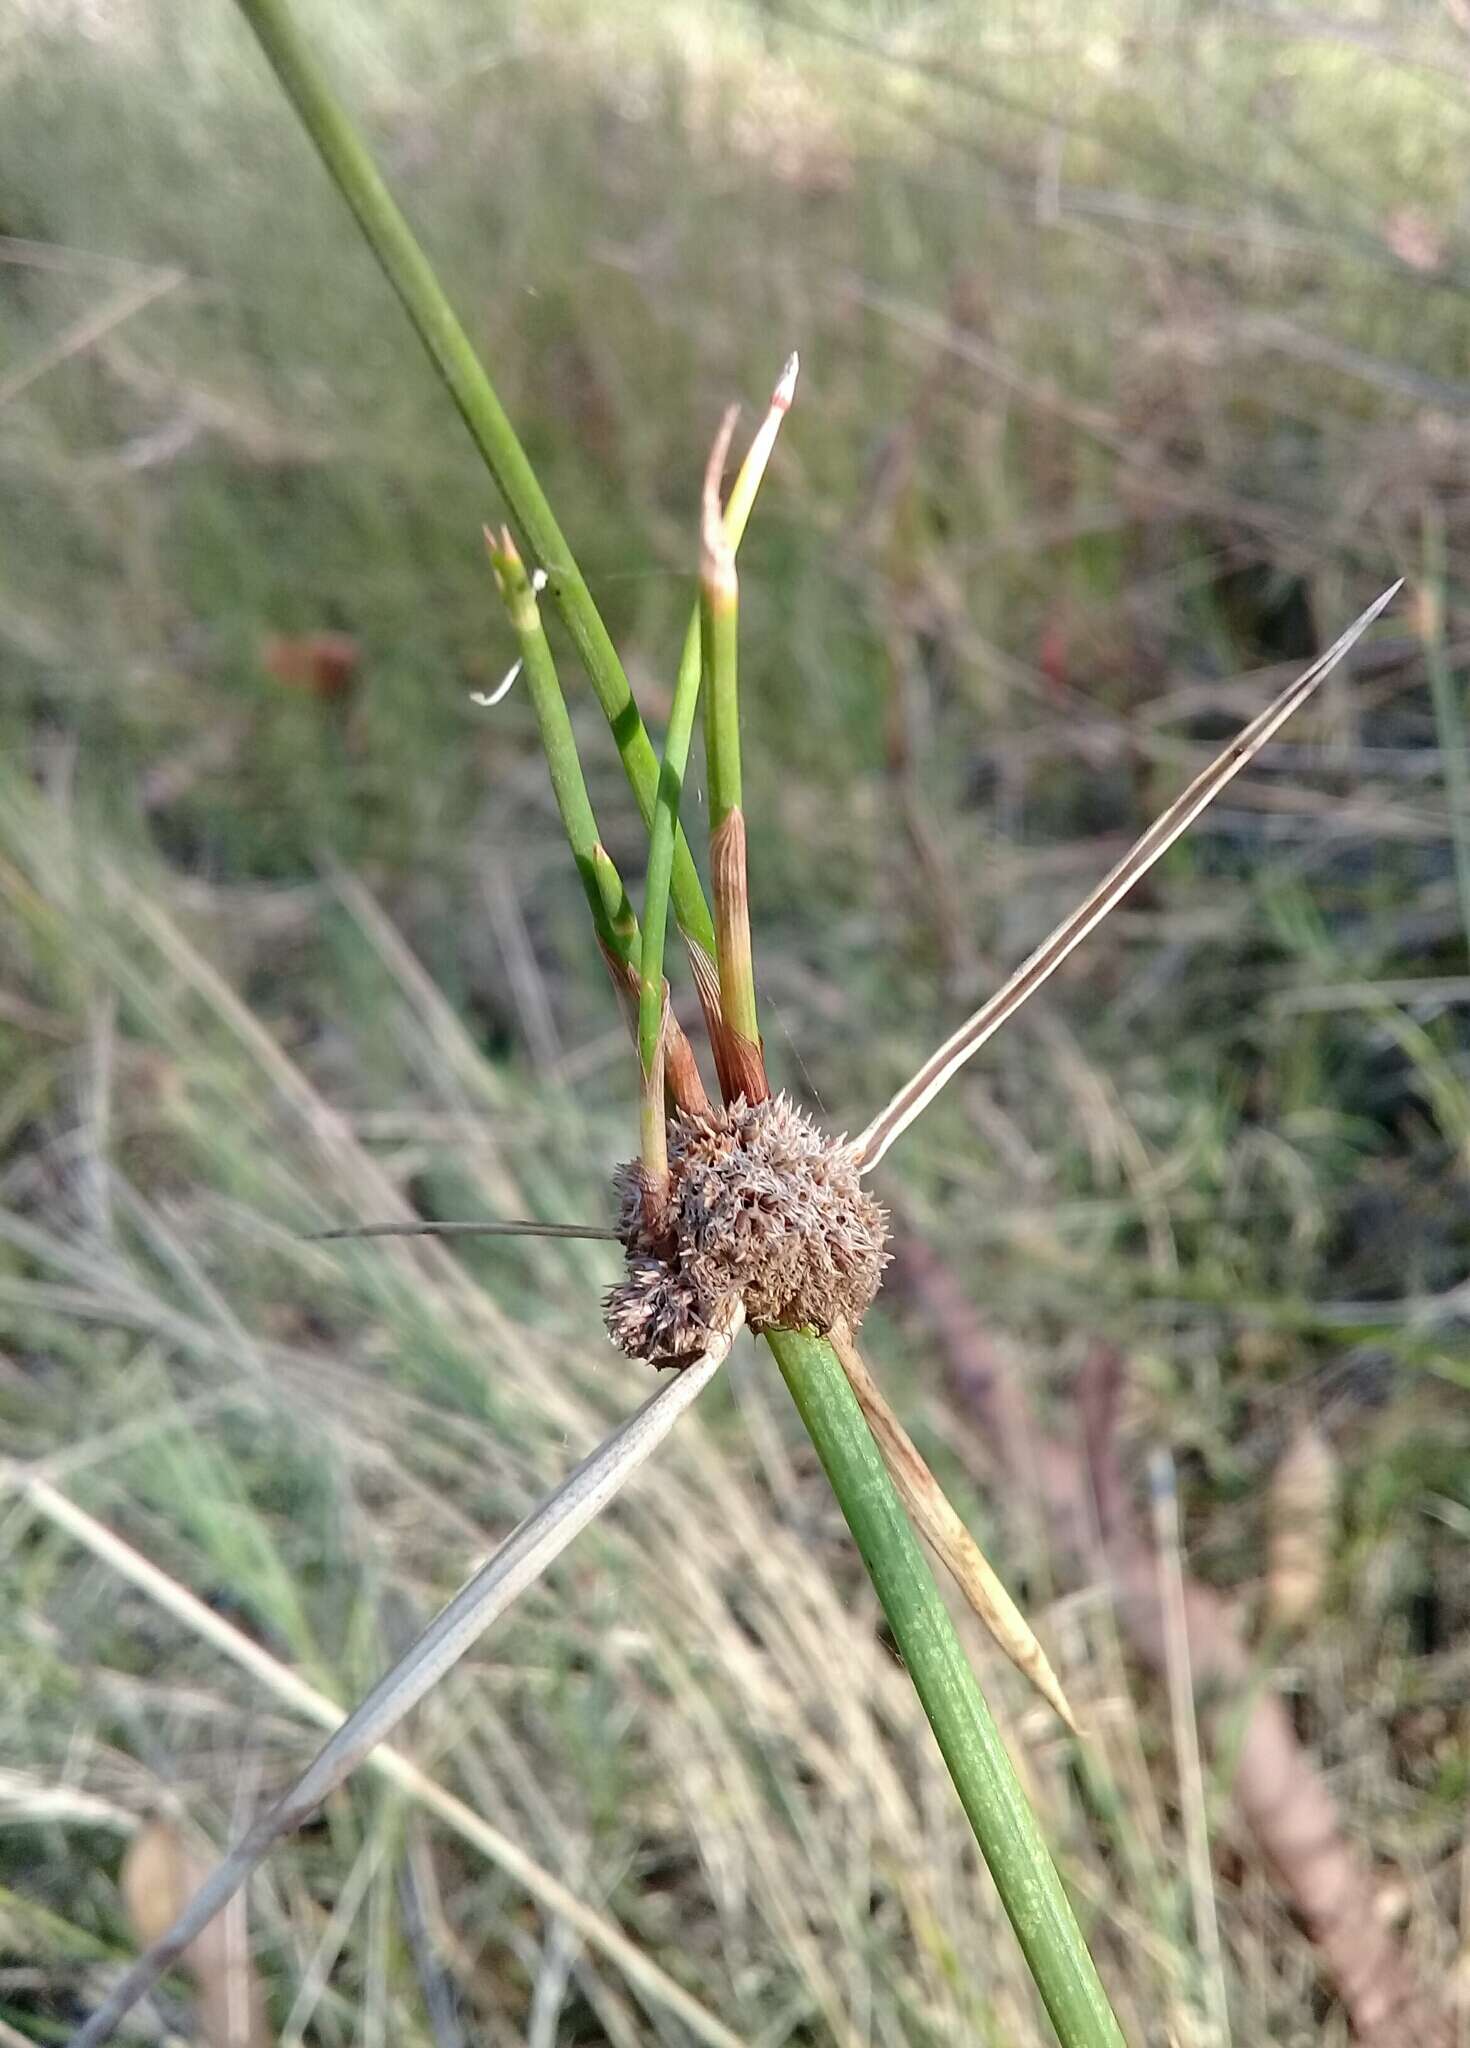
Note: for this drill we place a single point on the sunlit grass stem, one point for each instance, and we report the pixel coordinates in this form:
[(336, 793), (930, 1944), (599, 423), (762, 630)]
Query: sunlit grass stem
[(652, 988)]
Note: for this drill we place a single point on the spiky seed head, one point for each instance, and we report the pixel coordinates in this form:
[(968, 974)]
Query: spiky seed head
[(762, 1207)]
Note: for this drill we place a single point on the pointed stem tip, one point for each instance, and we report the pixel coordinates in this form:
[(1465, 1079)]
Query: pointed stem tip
[(937, 1071)]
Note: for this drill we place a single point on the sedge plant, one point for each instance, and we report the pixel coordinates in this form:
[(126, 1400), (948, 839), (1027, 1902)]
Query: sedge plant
[(736, 1211)]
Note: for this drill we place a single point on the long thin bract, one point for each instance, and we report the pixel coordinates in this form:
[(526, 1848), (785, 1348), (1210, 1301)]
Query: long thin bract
[(916, 1095), (506, 1227), (940, 1523), (517, 1565)]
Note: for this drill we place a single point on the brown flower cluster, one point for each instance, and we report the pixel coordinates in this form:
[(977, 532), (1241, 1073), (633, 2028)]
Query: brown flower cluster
[(760, 1206)]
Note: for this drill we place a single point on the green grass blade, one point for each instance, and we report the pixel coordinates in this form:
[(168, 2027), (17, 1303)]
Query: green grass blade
[(412, 278), (964, 1728)]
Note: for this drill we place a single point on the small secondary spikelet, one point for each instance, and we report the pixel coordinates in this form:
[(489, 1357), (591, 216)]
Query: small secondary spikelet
[(761, 1206)]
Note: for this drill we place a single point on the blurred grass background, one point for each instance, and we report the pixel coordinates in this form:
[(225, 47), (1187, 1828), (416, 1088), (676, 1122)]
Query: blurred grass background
[(1134, 361)]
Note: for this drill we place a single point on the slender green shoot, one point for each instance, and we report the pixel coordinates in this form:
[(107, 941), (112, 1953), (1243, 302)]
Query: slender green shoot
[(672, 772), (409, 273), (1449, 703), (612, 913), (737, 515), (719, 596), (1005, 1828), (747, 483), (480, 1227), (613, 916), (652, 988)]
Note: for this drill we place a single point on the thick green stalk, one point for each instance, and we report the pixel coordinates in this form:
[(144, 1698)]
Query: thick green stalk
[(612, 913), (408, 271), (969, 1740)]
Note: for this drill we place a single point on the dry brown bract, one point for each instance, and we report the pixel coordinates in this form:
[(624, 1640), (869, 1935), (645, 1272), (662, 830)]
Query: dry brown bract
[(761, 1206)]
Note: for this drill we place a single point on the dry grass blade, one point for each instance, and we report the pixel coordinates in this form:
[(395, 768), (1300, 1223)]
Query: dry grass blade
[(941, 1526), (521, 1560), (558, 1900), (1174, 1610), (915, 1096)]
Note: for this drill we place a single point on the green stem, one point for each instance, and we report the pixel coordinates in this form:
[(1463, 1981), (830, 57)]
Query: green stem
[(612, 913), (407, 270), (738, 509), (662, 839), (722, 702), (969, 1740), (719, 596), (729, 883)]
